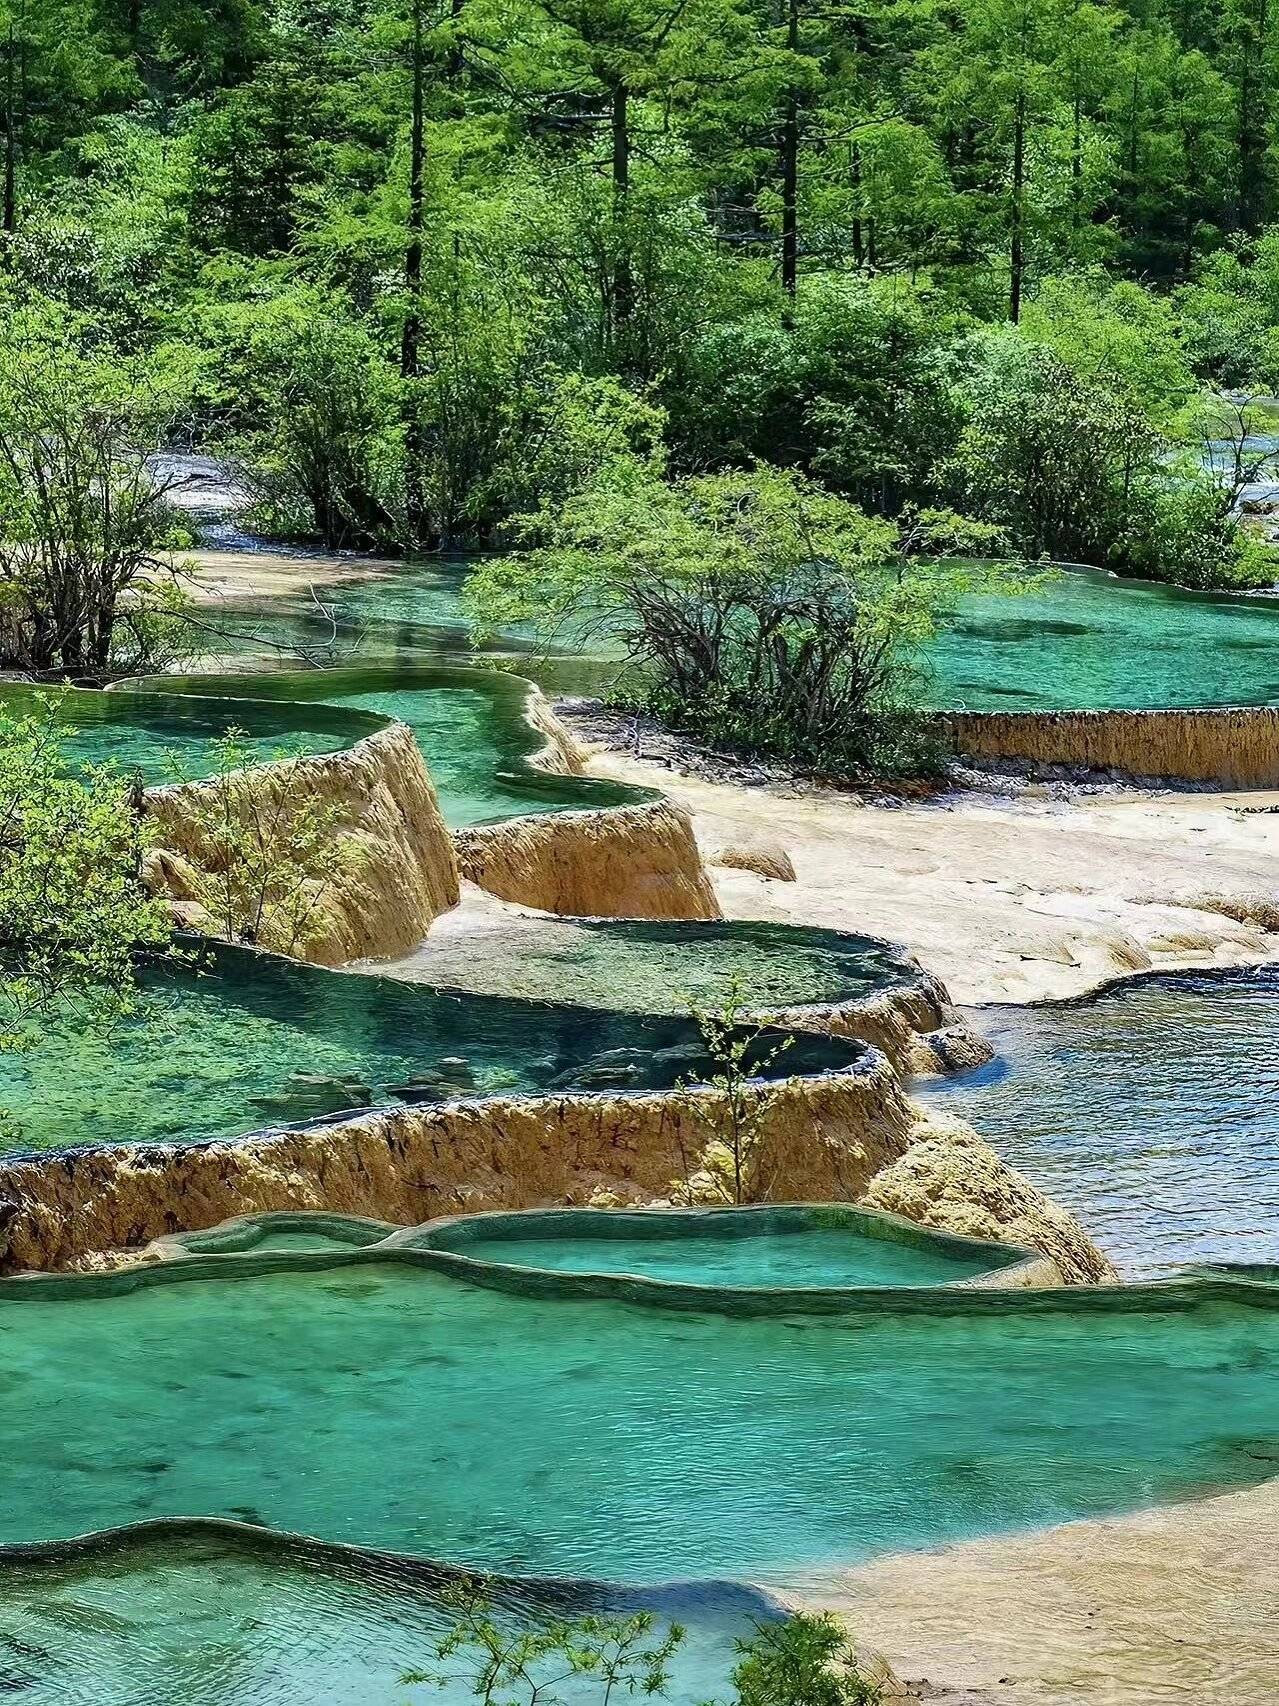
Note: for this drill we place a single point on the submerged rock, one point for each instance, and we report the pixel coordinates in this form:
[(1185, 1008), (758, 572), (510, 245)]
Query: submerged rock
[(305, 1094)]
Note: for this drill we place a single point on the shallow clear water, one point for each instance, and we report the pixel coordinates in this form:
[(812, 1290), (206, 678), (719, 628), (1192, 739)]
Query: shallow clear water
[(469, 723), (1085, 640), (830, 1257), (392, 1407), (656, 966), (1152, 1112), (166, 737), (268, 1626), (266, 1042)]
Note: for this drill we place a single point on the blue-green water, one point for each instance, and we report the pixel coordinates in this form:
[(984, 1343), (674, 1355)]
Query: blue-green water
[(269, 1625), (257, 1041), (1084, 640), (656, 966), (167, 738), (470, 724), (390, 1407), (1152, 1112), (836, 1256)]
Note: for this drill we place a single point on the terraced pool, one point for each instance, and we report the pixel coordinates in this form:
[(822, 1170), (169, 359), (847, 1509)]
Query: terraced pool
[(240, 1041), (368, 1399), (788, 1249), (1079, 639), (470, 723), (165, 737), (652, 966), (389, 1407), (270, 1624)]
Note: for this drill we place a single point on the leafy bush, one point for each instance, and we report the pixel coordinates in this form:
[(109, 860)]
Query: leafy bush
[(757, 608), (313, 414), (803, 1661), (800, 1660), (85, 530), (73, 908), (1071, 464)]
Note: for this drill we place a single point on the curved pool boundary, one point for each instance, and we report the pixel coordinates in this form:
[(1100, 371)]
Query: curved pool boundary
[(570, 1595), (173, 1261), (444, 1241)]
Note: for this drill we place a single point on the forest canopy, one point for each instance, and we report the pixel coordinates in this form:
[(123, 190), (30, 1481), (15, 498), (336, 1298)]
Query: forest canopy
[(426, 269)]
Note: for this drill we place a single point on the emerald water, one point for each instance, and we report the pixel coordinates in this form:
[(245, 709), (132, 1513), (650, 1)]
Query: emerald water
[(470, 724), (1152, 1111), (653, 966), (257, 1041), (1084, 640), (166, 737), (789, 1258), (391, 1407), (272, 1625)]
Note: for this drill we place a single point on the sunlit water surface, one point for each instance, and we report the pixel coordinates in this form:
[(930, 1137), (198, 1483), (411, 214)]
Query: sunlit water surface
[(236, 1042), (396, 1408), (289, 1626), (1151, 1111), (786, 1259)]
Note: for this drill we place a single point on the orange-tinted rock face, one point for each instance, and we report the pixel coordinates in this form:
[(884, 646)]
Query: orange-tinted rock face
[(400, 872), (623, 862), (831, 1138), (1236, 748)]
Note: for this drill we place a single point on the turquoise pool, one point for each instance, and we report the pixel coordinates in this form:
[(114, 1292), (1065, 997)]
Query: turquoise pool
[(782, 1248), (165, 737), (240, 1041), (1082, 639), (272, 1625), (654, 966), (1085, 640), (390, 1407), (470, 724)]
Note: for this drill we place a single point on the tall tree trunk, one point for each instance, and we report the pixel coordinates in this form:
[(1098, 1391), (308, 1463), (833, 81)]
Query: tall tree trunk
[(1250, 206), (624, 277), (1077, 164), (859, 246), (9, 216), (411, 338), (790, 165), (1016, 255)]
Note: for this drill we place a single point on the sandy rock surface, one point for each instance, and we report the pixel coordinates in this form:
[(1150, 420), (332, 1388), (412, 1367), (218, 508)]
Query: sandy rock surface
[(1177, 1606), (1005, 899)]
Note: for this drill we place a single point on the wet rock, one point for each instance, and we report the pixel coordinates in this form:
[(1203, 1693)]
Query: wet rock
[(308, 1093), (418, 1090), (615, 1068), (456, 1068)]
